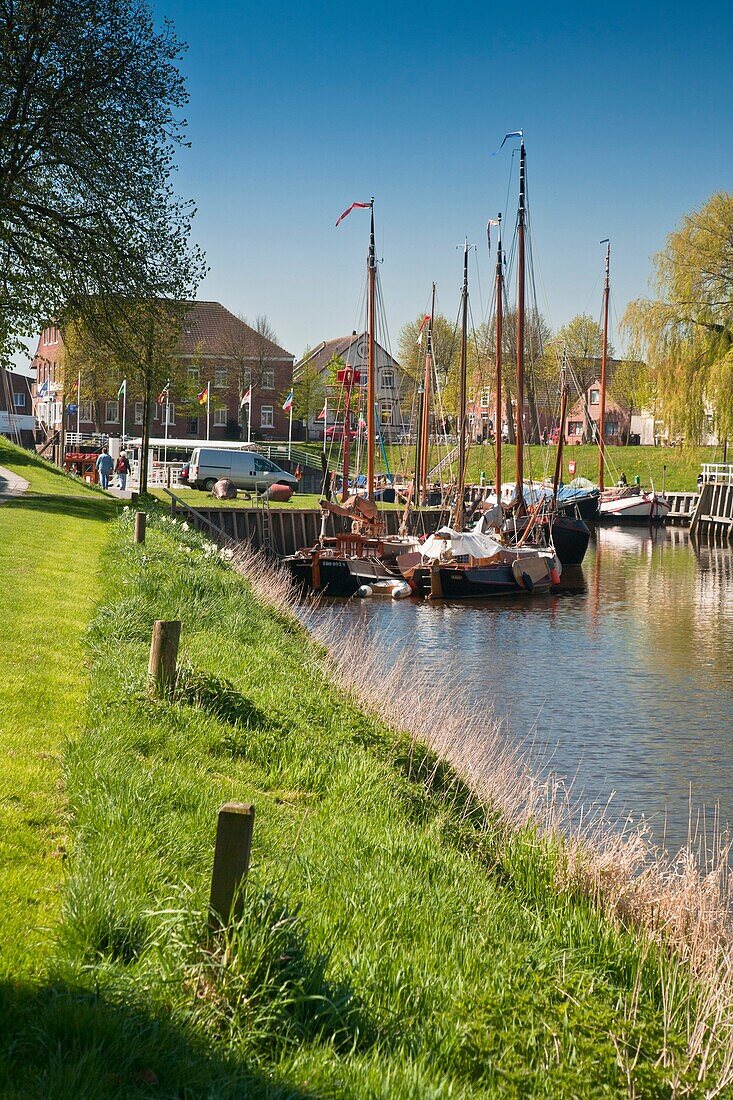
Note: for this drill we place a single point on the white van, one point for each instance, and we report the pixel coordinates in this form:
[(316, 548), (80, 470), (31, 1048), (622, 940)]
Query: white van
[(245, 469)]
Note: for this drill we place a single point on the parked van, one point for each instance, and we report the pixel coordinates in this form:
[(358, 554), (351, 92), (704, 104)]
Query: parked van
[(246, 469)]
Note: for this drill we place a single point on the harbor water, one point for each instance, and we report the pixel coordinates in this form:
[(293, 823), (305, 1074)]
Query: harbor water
[(622, 683)]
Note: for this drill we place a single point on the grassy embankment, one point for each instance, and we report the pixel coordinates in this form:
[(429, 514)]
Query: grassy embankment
[(399, 938), (50, 545)]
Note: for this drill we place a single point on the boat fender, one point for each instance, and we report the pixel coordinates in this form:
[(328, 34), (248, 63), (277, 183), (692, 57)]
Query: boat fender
[(400, 591), (364, 592), (554, 575), (527, 582)]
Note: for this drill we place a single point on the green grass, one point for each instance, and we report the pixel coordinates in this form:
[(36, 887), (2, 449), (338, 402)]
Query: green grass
[(395, 943), (50, 546), (683, 463)]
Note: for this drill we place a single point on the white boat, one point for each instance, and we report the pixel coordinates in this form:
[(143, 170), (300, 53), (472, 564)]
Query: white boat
[(629, 504)]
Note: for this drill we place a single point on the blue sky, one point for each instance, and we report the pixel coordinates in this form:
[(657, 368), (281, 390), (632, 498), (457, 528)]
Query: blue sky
[(297, 110)]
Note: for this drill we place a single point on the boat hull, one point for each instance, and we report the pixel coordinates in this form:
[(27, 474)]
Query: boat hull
[(638, 509)]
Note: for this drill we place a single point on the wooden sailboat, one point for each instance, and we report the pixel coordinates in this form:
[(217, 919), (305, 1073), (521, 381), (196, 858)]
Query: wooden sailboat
[(457, 564), (623, 503), (340, 565)]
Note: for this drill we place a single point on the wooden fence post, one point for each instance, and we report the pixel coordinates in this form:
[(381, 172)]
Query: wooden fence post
[(163, 656), (140, 518), (231, 862)]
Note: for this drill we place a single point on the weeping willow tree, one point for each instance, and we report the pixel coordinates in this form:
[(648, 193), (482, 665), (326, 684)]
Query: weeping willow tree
[(686, 334)]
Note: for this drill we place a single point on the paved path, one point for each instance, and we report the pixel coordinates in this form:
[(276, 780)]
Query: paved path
[(11, 485)]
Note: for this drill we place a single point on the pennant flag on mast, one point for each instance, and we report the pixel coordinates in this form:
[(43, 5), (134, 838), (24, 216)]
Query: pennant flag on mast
[(163, 393), (288, 402), (354, 205), (424, 321), (123, 388), (490, 222), (246, 399), (514, 133), (203, 397)]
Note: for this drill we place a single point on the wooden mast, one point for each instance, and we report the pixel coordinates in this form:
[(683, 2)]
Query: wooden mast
[(499, 337), (425, 442), (604, 357), (563, 414), (460, 488), (371, 425), (519, 503)]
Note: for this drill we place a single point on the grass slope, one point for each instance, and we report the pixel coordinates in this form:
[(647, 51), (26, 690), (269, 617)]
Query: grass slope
[(396, 942), (50, 545)]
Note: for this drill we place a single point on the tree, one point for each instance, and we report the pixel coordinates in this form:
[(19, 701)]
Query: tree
[(581, 339), (536, 340), (247, 347), (308, 388), (90, 96), (686, 334), (446, 357)]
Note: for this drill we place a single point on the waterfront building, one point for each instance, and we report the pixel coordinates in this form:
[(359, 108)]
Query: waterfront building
[(16, 406), (217, 353)]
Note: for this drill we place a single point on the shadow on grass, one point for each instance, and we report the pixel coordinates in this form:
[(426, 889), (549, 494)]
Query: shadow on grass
[(92, 507), (60, 1041)]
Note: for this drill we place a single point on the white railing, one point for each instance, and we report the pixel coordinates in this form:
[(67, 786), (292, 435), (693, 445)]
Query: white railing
[(719, 472), (166, 474)]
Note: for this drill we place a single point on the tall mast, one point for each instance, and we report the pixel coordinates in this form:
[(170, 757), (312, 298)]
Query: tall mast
[(563, 414), (604, 357), (499, 337), (519, 493), (425, 444), (371, 425), (458, 523)]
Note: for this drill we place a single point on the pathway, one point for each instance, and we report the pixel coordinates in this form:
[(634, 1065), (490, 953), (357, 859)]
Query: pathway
[(11, 485)]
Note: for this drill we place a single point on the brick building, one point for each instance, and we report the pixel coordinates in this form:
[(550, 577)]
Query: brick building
[(214, 347), (16, 407), (617, 418)]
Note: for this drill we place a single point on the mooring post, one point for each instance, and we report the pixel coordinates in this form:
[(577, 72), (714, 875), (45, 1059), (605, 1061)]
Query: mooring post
[(163, 656), (231, 862), (140, 518)]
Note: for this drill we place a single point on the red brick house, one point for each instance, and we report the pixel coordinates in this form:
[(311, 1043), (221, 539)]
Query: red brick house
[(617, 418), (17, 421), (215, 347)]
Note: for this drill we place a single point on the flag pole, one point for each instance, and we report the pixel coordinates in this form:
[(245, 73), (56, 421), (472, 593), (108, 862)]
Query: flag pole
[(124, 408), (249, 415), (290, 429), (78, 405), (208, 410), (165, 438)]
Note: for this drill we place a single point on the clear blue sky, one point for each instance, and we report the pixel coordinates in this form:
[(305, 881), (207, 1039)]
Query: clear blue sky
[(298, 109)]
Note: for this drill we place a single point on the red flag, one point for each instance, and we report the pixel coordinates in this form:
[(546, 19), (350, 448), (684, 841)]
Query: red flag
[(422, 326), (362, 205)]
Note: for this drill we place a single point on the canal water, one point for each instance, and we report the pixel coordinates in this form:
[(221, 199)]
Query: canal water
[(622, 683)]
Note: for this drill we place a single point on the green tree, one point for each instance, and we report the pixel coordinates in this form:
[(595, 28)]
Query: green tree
[(686, 334), (581, 339), (446, 356), (90, 102), (539, 384), (308, 388)]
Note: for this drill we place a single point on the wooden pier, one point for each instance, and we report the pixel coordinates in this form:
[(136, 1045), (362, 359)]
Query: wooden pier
[(683, 507), (713, 514)]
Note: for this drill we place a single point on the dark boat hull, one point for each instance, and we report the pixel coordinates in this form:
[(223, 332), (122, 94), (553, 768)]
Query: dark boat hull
[(569, 535), (475, 582), (331, 576)]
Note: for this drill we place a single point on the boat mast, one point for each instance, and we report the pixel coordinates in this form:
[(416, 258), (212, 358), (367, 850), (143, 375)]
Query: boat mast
[(371, 425), (563, 414), (425, 443), (458, 522), (519, 434), (499, 337), (604, 358)]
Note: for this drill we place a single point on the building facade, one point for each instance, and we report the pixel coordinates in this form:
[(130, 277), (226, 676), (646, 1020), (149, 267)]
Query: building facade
[(218, 355), (352, 351), (617, 419), (17, 421)]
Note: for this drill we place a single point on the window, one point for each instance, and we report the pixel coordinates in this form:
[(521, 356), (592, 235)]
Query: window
[(85, 412), (387, 377), (220, 417), (19, 400), (112, 412), (595, 397), (194, 373), (485, 398), (267, 416), (268, 379), (221, 378), (246, 377), (193, 425), (170, 410), (385, 413), (139, 409), (575, 427)]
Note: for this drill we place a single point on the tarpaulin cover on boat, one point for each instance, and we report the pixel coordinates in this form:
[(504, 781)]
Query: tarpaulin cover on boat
[(461, 543)]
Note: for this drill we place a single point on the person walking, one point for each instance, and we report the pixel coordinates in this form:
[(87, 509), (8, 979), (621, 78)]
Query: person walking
[(104, 468), (122, 469)]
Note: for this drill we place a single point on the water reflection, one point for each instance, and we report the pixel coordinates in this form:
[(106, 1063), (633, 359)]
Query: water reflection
[(624, 679)]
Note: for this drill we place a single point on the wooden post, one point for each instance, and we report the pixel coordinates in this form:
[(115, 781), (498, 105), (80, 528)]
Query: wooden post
[(140, 518), (231, 862), (163, 656)]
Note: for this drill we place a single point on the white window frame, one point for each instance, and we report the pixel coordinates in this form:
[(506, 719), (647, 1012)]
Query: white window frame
[(194, 373), (486, 398), (115, 407), (267, 416), (139, 411), (19, 401), (86, 412), (386, 414), (220, 417), (594, 400), (221, 378), (268, 378), (386, 378)]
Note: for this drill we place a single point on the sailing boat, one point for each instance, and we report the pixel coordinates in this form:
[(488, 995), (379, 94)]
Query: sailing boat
[(623, 503), (342, 564), (457, 564)]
